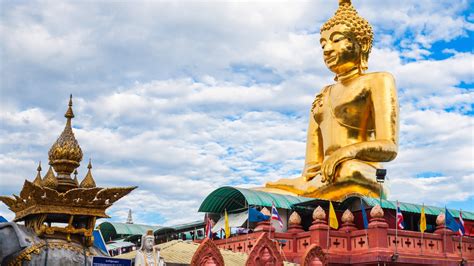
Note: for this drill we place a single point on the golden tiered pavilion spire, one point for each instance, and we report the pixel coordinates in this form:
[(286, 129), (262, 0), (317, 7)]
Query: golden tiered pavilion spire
[(65, 155), (49, 201)]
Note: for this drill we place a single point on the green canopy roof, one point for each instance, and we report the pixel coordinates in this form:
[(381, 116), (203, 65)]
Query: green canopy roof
[(179, 227), (416, 208), (112, 230), (232, 199)]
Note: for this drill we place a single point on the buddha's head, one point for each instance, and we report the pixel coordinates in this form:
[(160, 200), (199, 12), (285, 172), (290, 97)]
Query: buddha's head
[(346, 40)]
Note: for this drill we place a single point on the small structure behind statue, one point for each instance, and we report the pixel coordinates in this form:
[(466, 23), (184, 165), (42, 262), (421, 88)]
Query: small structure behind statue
[(148, 254)]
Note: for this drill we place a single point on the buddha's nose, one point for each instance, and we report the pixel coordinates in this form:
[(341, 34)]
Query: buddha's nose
[(327, 49)]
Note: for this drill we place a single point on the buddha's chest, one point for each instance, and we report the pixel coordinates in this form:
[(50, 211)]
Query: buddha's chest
[(348, 106)]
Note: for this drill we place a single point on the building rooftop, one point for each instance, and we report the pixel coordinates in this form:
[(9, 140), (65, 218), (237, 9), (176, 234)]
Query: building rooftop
[(181, 252)]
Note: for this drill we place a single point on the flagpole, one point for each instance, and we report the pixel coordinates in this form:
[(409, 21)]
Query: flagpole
[(248, 221), (329, 226), (445, 228), (423, 232), (270, 227), (460, 235), (396, 230), (327, 243), (225, 226), (365, 229)]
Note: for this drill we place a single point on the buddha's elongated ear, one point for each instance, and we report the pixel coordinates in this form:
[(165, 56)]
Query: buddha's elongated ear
[(364, 55), (364, 45)]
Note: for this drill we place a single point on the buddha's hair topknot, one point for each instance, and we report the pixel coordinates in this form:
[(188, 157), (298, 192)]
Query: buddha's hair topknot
[(347, 15)]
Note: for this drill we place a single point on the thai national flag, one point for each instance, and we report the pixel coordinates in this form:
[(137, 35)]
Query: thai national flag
[(462, 231), (399, 217), (275, 215), (208, 228)]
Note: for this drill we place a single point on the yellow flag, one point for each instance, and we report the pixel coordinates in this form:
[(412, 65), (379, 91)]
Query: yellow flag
[(226, 227), (332, 217), (423, 220)]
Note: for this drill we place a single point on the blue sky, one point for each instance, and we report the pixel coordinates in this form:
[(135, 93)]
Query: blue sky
[(181, 98)]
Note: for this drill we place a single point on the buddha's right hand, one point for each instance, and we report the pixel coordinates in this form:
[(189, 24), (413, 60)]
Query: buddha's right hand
[(311, 171)]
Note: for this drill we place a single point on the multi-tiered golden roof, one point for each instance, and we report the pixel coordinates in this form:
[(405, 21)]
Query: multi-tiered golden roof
[(58, 198)]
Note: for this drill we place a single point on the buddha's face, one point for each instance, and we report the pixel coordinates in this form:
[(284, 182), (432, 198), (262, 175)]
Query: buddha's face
[(341, 51)]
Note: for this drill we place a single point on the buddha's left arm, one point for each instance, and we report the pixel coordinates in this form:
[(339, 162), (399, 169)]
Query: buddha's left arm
[(385, 114)]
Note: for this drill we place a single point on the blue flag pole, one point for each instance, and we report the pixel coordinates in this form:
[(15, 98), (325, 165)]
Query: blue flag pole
[(364, 219), (248, 220), (460, 235), (445, 228)]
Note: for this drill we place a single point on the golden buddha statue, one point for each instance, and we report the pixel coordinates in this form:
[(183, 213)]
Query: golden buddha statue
[(353, 123)]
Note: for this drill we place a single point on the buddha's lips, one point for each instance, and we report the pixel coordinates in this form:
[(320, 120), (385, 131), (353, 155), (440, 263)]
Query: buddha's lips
[(330, 59)]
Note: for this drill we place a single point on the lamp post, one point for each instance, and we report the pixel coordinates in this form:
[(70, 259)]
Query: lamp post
[(380, 175)]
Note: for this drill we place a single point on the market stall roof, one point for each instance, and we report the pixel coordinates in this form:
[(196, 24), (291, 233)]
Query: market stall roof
[(178, 252), (180, 227), (111, 230), (120, 244), (234, 199)]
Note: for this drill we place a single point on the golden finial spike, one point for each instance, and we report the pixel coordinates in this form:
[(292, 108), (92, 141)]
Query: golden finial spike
[(89, 166), (38, 179), (69, 113), (75, 178)]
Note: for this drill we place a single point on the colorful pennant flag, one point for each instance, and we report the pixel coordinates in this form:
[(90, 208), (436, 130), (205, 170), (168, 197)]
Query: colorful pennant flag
[(423, 220), (276, 216), (332, 217), (226, 225), (400, 223), (208, 227)]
